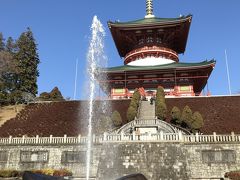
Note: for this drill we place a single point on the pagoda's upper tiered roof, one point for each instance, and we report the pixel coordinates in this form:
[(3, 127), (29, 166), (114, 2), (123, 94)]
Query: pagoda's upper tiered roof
[(151, 21), (174, 65), (169, 32)]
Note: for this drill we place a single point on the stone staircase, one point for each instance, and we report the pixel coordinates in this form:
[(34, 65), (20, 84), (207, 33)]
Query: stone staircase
[(147, 110)]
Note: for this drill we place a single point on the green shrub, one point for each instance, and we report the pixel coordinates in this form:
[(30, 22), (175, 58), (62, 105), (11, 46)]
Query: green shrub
[(9, 173), (161, 110), (54, 95), (134, 104), (136, 97), (62, 172), (176, 115), (197, 121), (44, 96), (131, 113), (186, 116), (53, 172), (116, 118), (160, 93)]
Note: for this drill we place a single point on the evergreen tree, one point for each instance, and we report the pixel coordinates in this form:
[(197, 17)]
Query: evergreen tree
[(197, 121), (2, 45), (160, 105), (27, 62), (186, 116), (7, 76), (116, 118), (175, 115), (10, 45), (160, 95), (56, 95), (161, 110), (131, 113)]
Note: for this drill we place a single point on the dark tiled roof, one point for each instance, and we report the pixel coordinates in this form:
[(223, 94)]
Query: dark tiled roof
[(154, 20), (164, 66)]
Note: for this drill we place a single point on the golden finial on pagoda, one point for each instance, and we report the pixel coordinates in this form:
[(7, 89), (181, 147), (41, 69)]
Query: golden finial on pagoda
[(149, 9)]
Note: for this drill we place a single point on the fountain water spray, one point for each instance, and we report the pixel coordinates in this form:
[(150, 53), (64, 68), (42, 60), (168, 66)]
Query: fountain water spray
[(95, 58)]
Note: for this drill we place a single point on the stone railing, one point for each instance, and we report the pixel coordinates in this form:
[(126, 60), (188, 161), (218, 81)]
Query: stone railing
[(113, 138), (147, 122)]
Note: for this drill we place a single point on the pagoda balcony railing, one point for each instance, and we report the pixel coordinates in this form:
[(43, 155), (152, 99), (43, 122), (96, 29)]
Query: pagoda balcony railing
[(154, 51), (123, 137)]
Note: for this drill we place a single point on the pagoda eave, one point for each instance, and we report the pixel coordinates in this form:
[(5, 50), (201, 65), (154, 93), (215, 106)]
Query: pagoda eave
[(172, 34)]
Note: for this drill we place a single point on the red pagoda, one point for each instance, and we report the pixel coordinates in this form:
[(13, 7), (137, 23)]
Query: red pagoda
[(150, 49)]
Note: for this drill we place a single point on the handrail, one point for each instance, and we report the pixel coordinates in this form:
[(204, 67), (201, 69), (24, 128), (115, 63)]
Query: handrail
[(149, 122), (123, 137)]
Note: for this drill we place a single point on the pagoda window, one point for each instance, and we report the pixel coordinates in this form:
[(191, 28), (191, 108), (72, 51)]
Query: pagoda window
[(158, 40), (118, 77), (132, 77), (118, 82), (150, 76), (184, 74), (140, 40), (149, 39), (168, 75)]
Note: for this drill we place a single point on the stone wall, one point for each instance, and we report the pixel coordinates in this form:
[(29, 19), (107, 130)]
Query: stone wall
[(30, 157), (156, 160)]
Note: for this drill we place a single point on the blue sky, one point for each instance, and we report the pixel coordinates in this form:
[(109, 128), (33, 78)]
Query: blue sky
[(62, 31)]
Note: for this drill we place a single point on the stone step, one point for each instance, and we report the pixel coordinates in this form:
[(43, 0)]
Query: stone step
[(147, 110)]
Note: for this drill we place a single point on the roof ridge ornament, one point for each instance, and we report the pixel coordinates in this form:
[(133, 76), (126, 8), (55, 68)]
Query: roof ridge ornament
[(149, 9)]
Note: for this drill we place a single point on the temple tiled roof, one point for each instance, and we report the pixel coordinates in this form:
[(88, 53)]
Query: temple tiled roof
[(150, 21), (165, 66)]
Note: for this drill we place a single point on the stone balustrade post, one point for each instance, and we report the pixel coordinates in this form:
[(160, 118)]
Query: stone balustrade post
[(37, 138), (161, 136), (50, 141), (65, 138), (197, 137), (23, 139), (133, 136), (149, 136), (10, 140), (180, 136), (233, 136), (105, 136), (122, 135), (79, 138), (214, 137)]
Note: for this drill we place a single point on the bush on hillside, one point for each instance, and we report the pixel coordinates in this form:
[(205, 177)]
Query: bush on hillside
[(102, 124), (131, 113), (116, 118), (9, 173), (54, 95), (133, 104), (186, 116), (136, 96), (176, 115), (160, 93), (44, 96), (197, 121), (161, 110)]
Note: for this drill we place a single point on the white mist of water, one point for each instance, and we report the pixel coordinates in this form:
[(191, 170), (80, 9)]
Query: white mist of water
[(95, 58)]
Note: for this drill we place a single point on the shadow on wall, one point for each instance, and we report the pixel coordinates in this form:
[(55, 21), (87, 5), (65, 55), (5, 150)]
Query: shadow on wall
[(133, 177)]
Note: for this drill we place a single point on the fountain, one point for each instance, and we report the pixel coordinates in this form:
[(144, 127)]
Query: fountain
[(95, 59)]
